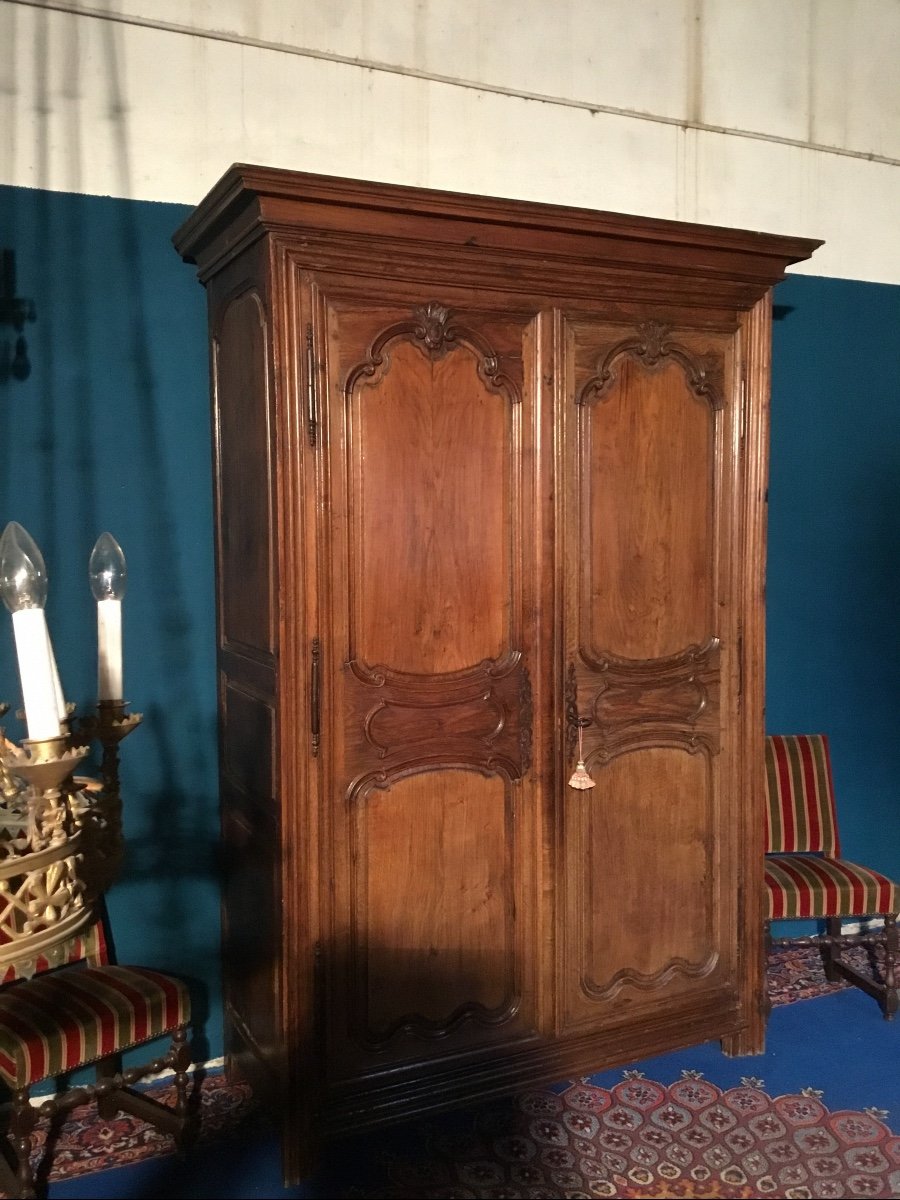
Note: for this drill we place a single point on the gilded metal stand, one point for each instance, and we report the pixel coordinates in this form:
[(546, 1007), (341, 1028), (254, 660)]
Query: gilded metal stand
[(60, 835)]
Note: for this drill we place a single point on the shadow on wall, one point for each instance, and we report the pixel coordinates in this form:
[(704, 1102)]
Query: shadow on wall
[(15, 313)]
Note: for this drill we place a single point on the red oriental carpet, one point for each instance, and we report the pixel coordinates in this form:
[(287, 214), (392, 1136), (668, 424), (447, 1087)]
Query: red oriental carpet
[(633, 1137), (640, 1139), (84, 1143)]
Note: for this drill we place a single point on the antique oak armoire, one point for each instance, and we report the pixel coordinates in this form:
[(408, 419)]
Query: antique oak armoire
[(487, 474)]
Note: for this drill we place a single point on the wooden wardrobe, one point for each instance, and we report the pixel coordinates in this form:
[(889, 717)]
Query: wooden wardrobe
[(487, 474)]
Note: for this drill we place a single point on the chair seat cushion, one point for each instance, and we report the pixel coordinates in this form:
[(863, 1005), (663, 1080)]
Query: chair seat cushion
[(74, 1016), (806, 885)]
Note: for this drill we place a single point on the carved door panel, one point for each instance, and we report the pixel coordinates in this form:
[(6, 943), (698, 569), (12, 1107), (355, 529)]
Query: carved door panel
[(652, 645), (427, 677)]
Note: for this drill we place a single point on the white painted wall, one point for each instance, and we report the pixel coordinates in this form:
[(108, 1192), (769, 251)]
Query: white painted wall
[(781, 115)]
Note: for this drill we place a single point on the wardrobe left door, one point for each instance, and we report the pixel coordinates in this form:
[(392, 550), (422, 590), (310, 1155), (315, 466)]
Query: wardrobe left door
[(431, 545)]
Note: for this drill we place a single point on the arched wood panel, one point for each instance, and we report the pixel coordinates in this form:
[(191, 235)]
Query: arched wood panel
[(649, 627)]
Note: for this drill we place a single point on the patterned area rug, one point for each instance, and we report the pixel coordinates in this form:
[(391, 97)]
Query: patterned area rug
[(797, 974), (84, 1143), (637, 1139)]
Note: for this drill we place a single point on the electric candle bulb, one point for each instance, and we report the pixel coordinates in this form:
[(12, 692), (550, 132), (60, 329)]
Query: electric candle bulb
[(23, 588), (108, 575)]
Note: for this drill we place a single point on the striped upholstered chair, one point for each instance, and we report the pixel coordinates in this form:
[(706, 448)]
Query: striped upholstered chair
[(807, 878), (87, 1012)]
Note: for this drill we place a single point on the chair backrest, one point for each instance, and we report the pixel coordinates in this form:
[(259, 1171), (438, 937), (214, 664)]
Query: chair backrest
[(800, 811), (90, 946)]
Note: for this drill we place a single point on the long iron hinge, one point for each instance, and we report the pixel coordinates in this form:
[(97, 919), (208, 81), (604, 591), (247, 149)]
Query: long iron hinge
[(310, 386), (314, 694)]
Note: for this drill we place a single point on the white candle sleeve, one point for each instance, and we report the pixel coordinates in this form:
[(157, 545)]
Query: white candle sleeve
[(109, 650), (36, 673), (57, 685)]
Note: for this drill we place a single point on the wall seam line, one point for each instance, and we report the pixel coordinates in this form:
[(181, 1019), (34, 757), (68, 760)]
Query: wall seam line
[(590, 106)]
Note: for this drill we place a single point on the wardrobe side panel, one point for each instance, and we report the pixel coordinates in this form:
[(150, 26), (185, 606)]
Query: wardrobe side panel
[(247, 640)]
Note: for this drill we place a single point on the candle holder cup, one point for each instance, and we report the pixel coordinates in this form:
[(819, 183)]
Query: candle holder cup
[(110, 726)]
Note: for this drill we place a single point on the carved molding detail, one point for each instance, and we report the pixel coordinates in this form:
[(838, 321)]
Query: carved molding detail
[(526, 720), (572, 714), (379, 675), (433, 327), (688, 657), (629, 978), (653, 347), (487, 717), (671, 701), (479, 718), (415, 1025), (433, 331)]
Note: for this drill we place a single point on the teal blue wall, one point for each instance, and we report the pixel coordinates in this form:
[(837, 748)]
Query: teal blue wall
[(112, 431), (833, 592)]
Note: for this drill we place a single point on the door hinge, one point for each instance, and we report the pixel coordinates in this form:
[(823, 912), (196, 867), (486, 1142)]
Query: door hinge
[(310, 387), (314, 694)]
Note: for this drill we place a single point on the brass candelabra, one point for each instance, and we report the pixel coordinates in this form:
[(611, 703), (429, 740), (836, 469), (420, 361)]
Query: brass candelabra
[(60, 834)]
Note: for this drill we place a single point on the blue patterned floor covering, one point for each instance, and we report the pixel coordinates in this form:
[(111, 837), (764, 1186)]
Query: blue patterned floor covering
[(838, 1044)]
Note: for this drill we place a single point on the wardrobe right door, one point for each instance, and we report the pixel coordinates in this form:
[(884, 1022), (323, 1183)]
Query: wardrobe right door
[(649, 856)]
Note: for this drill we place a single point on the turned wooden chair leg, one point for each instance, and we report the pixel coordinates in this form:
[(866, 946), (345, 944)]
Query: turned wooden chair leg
[(181, 1061), (831, 951), (178, 1120), (107, 1068), (22, 1124), (890, 965)]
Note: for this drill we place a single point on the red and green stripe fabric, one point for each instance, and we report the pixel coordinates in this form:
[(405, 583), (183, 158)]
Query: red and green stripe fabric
[(68, 1018), (800, 812), (89, 946), (805, 885)]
